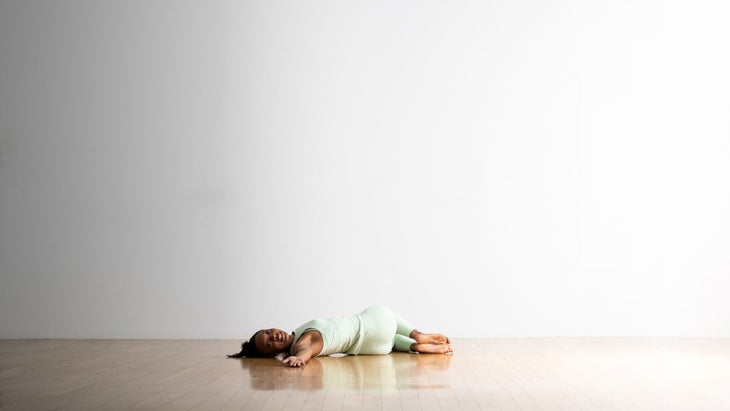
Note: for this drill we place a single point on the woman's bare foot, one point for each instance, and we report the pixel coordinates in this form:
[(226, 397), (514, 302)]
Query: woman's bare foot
[(425, 338), (426, 348)]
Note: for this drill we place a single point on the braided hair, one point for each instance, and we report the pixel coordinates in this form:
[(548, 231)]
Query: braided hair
[(248, 349)]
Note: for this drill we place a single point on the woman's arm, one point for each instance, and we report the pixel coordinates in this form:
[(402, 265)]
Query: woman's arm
[(309, 345)]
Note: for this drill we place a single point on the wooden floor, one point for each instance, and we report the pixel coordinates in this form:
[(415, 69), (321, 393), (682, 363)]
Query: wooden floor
[(492, 374)]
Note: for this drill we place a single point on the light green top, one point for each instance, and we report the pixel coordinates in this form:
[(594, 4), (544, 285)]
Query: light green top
[(339, 335)]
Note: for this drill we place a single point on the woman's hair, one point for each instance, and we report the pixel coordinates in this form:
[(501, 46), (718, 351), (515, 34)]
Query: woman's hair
[(248, 349)]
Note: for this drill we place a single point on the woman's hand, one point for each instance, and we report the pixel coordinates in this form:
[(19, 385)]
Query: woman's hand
[(294, 361)]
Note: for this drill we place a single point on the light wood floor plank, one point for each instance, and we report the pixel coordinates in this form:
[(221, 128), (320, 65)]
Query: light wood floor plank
[(483, 374)]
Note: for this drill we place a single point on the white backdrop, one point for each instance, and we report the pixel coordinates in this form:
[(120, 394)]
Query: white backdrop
[(186, 169)]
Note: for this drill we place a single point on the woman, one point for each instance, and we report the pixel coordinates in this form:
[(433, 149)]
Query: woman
[(377, 330)]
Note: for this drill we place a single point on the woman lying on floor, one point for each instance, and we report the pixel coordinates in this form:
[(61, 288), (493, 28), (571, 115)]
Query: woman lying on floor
[(377, 330)]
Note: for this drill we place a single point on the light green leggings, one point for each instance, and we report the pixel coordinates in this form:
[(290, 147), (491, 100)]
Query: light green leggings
[(389, 331), (401, 341)]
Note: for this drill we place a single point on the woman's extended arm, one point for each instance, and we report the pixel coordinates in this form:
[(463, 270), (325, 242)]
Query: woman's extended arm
[(309, 345)]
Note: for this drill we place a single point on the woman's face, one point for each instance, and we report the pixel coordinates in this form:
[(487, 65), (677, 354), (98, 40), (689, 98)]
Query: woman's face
[(272, 341)]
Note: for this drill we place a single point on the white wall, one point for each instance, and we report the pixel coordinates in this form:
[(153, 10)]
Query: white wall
[(505, 168)]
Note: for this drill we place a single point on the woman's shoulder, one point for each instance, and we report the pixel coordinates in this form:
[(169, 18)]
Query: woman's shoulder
[(316, 325), (311, 335)]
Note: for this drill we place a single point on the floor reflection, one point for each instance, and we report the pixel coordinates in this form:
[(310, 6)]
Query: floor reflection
[(385, 373)]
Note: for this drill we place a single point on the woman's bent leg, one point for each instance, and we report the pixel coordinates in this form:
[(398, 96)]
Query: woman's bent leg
[(402, 343), (406, 329), (403, 327), (408, 338)]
